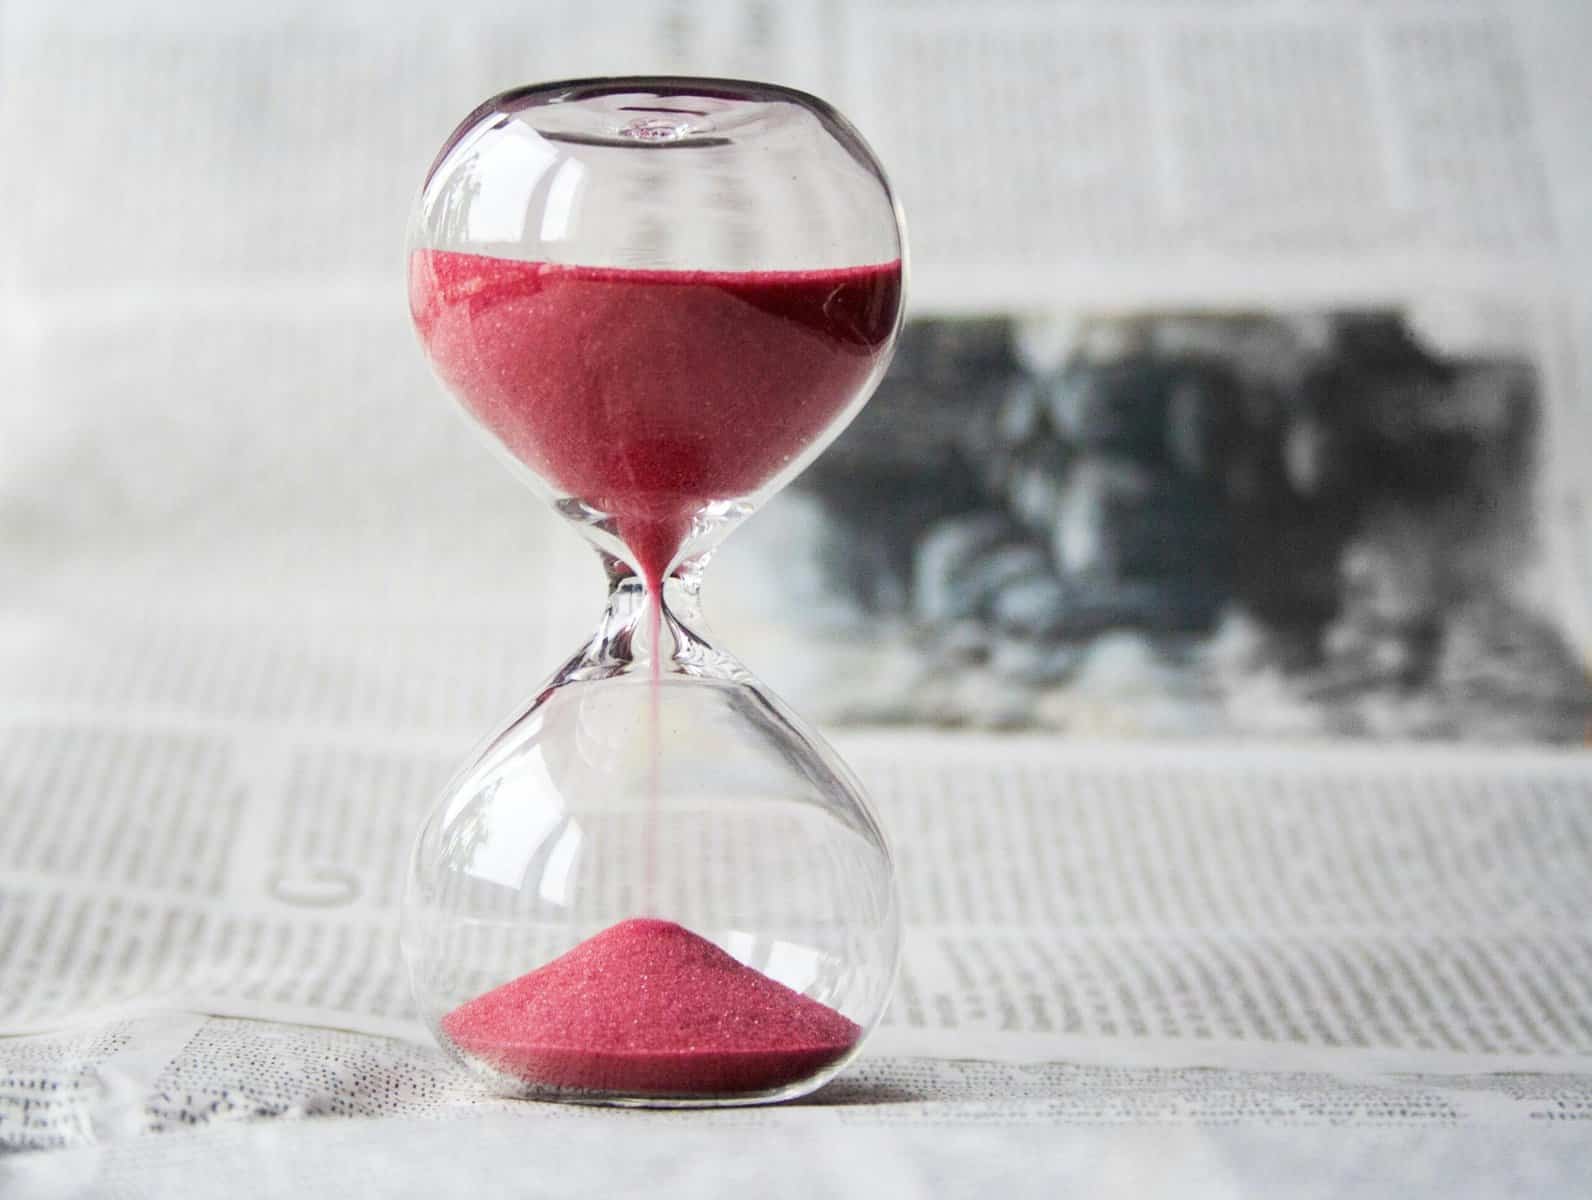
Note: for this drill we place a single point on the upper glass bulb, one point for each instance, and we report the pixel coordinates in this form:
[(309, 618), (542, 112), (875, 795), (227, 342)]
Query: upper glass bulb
[(664, 297)]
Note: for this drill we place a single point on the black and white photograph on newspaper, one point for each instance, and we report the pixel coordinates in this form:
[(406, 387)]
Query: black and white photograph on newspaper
[(1311, 523)]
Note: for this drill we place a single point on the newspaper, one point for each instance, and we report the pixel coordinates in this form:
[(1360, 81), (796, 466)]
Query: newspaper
[(242, 650), (1143, 915), (407, 1158)]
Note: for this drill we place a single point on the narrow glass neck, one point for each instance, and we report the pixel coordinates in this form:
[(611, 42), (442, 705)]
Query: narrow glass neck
[(634, 637), (629, 601)]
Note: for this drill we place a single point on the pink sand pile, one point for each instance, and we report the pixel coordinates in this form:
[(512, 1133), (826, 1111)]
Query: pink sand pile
[(649, 1008)]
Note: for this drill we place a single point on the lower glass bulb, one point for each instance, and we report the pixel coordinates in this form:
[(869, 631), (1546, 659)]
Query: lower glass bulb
[(652, 890)]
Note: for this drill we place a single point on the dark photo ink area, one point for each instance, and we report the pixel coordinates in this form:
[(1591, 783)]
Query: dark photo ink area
[(1311, 524)]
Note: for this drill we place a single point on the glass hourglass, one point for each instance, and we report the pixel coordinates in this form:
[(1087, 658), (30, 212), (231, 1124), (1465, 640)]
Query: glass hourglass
[(662, 297)]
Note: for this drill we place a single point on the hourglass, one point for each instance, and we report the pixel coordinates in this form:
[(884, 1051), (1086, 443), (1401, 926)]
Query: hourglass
[(662, 297)]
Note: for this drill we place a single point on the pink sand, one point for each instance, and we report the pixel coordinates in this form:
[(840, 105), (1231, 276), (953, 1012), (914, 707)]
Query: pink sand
[(649, 1008), (651, 393)]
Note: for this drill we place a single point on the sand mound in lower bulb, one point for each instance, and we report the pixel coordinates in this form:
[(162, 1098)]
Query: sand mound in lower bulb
[(648, 1008)]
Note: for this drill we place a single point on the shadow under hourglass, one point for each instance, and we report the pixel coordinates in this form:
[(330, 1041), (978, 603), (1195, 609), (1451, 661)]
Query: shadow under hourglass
[(849, 1092)]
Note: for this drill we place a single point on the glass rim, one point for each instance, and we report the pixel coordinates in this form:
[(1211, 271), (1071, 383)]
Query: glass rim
[(714, 87)]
